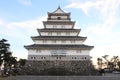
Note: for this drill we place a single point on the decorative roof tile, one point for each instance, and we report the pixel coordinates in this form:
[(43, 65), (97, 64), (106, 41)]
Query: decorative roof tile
[(59, 37), (51, 46), (55, 29)]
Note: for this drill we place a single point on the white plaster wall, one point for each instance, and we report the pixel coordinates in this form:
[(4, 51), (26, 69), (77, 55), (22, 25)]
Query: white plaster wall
[(77, 42), (59, 16), (60, 20), (42, 52), (60, 26), (55, 34), (74, 52), (48, 52)]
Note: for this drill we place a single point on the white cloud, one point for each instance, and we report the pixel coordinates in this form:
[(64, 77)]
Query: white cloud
[(102, 28), (30, 24), (104, 6), (13, 29), (1, 22), (25, 2)]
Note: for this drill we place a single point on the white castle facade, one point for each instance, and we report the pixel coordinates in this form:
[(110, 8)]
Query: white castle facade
[(58, 40)]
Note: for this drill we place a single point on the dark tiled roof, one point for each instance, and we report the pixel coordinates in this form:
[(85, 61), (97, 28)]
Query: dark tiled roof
[(60, 11), (59, 22), (59, 37), (51, 46), (54, 29)]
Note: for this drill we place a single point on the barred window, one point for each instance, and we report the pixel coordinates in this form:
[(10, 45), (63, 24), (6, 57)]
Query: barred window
[(38, 51), (58, 33), (67, 34), (44, 41), (63, 26), (63, 41), (72, 41), (54, 26), (49, 33), (78, 51), (31, 57), (54, 41)]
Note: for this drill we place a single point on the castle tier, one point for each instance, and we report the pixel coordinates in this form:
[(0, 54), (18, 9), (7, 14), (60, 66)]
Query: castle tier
[(58, 40)]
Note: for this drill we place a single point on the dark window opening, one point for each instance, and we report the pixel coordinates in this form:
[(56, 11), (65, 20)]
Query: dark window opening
[(44, 57), (59, 18), (75, 58), (56, 57)]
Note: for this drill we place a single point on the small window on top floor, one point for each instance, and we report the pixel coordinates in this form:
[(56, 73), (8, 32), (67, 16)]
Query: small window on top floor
[(59, 18)]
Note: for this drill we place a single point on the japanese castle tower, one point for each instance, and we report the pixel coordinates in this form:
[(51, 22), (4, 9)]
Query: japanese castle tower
[(58, 40)]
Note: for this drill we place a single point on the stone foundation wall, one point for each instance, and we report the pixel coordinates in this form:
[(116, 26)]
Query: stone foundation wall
[(59, 67)]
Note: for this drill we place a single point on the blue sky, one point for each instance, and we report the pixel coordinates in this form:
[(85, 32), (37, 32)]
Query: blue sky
[(99, 20)]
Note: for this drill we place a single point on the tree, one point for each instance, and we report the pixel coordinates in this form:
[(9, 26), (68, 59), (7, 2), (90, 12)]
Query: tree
[(21, 67), (1, 61), (111, 63), (118, 64), (6, 56), (22, 62), (100, 62), (115, 60)]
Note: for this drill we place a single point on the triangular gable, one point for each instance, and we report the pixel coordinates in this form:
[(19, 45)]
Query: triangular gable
[(59, 10)]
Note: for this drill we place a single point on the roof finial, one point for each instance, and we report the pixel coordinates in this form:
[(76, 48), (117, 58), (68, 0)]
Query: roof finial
[(59, 7)]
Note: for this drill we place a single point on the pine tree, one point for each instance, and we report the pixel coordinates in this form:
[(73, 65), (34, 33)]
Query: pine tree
[(6, 56)]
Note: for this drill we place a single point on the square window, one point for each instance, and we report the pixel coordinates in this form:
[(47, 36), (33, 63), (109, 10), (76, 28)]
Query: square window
[(59, 18), (67, 34), (31, 57), (49, 33), (38, 51), (72, 41), (63, 41), (75, 58), (63, 26), (44, 41), (78, 51), (58, 33), (54, 26), (44, 57), (54, 41)]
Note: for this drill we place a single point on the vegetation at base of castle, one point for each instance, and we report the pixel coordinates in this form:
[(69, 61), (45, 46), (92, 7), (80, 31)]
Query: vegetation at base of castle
[(109, 64), (59, 68), (8, 63)]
